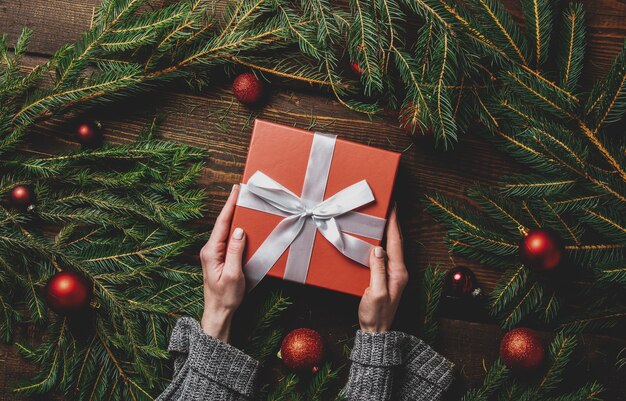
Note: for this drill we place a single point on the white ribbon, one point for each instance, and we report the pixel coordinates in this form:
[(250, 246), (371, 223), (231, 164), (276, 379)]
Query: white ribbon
[(304, 216)]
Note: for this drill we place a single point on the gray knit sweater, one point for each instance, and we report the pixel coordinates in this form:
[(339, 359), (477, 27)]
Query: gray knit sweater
[(385, 366)]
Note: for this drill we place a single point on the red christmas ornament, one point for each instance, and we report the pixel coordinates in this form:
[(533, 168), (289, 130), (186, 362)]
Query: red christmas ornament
[(461, 282), (68, 293), (541, 249), (356, 68), (22, 196), (248, 89), (522, 348), (302, 350), (89, 133)]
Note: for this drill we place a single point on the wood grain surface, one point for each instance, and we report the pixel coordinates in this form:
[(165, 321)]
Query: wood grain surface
[(214, 120)]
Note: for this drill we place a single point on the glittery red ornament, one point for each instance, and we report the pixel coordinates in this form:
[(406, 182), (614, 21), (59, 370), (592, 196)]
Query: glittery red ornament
[(522, 348), (248, 89), (302, 350), (22, 196), (461, 282), (541, 249), (89, 133), (68, 293)]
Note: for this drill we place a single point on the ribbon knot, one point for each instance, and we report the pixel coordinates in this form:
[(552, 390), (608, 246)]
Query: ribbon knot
[(304, 216)]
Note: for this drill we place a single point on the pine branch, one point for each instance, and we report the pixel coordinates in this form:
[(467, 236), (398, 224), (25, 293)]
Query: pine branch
[(321, 382), (561, 350), (499, 28), (265, 336), (285, 390), (527, 302), (432, 288), (507, 288), (495, 378), (538, 15), (607, 102), (572, 46)]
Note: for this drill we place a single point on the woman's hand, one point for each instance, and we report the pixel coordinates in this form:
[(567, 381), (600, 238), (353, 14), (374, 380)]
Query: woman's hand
[(224, 283), (387, 281)]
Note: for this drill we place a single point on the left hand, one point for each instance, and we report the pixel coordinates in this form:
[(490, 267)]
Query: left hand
[(224, 282)]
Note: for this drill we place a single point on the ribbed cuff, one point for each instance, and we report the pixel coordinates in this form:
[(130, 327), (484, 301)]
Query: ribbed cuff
[(213, 358), (378, 349), (423, 362)]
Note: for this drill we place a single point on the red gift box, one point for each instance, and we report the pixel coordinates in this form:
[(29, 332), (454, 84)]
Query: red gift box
[(283, 154)]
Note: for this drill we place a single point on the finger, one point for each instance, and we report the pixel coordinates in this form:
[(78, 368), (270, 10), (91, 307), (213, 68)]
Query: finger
[(222, 223), (394, 238), (378, 271), (234, 254), (398, 275)]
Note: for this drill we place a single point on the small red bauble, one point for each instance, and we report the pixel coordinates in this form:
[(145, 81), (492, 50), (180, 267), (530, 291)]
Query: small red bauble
[(356, 68), (89, 133), (248, 89), (22, 196), (522, 348), (541, 249), (461, 282), (68, 293), (302, 350)]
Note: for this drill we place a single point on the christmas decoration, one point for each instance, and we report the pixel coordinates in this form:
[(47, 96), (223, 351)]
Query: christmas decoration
[(537, 112), (356, 69), (461, 282), (89, 133), (22, 196), (302, 350), (68, 293), (501, 383), (248, 89), (121, 213), (541, 249), (522, 348)]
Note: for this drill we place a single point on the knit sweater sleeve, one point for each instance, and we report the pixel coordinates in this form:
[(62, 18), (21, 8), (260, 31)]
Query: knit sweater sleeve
[(425, 374), (395, 366), (206, 368)]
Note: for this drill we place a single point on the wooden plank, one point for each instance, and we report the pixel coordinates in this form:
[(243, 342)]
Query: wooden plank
[(212, 119), (56, 22)]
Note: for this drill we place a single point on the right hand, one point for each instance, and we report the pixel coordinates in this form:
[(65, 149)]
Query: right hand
[(387, 281)]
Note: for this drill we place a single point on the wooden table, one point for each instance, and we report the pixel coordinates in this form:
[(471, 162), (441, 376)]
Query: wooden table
[(214, 120)]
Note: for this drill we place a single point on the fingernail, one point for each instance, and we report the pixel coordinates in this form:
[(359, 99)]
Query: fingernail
[(238, 233), (379, 252), (234, 187)]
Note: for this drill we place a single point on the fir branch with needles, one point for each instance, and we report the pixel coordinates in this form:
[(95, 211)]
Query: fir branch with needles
[(537, 113), (125, 224), (500, 384)]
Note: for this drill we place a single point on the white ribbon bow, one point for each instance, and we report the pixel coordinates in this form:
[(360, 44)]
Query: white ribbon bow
[(304, 216)]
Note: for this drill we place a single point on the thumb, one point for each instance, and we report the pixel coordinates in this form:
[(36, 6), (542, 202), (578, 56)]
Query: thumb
[(378, 271), (234, 253)]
